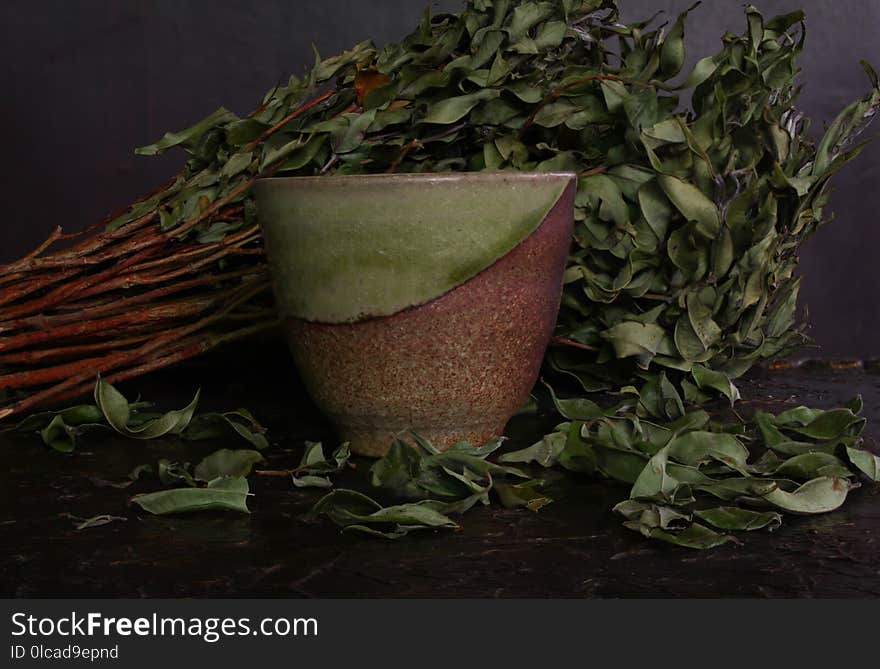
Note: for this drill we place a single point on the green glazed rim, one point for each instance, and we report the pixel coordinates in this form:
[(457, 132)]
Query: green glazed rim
[(347, 248)]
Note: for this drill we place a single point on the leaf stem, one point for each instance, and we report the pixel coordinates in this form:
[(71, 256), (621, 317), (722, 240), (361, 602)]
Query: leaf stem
[(287, 119), (563, 341)]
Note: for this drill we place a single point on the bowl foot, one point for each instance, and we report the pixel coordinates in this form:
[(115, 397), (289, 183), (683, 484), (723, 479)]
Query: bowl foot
[(375, 442)]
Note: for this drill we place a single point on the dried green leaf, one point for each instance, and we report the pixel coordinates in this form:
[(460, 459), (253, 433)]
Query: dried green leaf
[(655, 482), (866, 462), (734, 518), (174, 473), (807, 466), (694, 536), (189, 136), (354, 511), (349, 137), (314, 467), (545, 452), (819, 495), (715, 380), (227, 462), (692, 204), (450, 110), (58, 436), (218, 425), (117, 413), (634, 339), (672, 51), (700, 447), (526, 494), (831, 424), (222, 494)]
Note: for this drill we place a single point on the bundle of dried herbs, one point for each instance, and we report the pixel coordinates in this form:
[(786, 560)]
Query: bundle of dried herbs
[(689, 217), (689, 220)]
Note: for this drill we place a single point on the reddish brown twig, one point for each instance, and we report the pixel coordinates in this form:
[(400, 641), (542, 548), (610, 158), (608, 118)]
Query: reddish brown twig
[(73, 350), (85, 311), (181, 352), (132, 299), (571, 343), (292, 115), (143, 356), (404, 152), (131, 320), (71, 288), (53, 237), (596, 170), (26, 287), (419, 142)]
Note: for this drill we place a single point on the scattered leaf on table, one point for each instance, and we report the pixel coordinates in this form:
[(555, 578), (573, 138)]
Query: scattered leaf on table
[(735, 518), (819, 495), (867, 463), (174, 473), (117, 412), (354, 511), (218, 425), (526, 494), (314, 467), (544, 452), (694, 536), (227, 462), (222, 494)]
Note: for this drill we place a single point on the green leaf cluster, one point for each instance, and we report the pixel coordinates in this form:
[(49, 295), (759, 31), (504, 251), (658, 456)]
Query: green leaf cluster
[(218, 483), (693, 480), (112, 412), (444, 483), (689, 216), (315, 468)]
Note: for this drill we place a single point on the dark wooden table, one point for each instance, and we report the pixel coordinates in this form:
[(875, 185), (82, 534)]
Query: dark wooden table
[(574, 547)]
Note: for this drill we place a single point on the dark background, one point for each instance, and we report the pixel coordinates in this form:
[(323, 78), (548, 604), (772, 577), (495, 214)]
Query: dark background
[(84, 82)]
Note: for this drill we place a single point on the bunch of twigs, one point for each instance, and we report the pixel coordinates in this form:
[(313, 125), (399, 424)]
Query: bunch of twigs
[(123, 303)]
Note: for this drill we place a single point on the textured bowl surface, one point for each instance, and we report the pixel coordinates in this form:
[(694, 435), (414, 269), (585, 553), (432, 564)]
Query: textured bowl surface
[(458, 365)]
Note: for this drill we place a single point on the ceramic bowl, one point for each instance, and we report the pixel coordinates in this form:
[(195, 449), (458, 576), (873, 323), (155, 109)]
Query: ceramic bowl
[(418, 301)]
